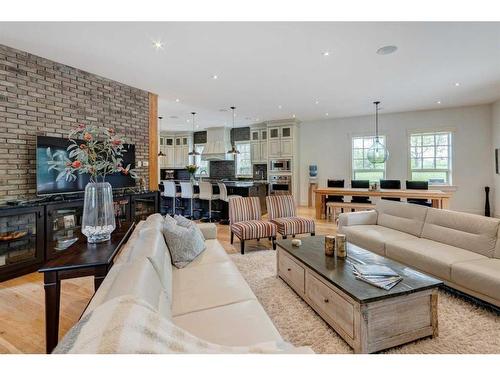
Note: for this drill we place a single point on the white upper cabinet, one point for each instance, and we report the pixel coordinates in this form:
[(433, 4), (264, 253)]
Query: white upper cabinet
[(176, 149), (258, 144), (280, 141)]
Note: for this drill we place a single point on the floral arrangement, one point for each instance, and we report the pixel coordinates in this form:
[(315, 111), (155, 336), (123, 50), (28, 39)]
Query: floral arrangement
[(100, 154), (191, 168)]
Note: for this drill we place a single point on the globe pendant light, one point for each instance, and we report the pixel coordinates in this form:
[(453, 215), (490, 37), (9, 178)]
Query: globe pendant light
[(233, 150), (193, 152), (161, 152), (377, 153)]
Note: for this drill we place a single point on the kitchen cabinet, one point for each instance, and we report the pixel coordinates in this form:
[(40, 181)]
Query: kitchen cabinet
[(258, 145), (176, 149), (280, 143)]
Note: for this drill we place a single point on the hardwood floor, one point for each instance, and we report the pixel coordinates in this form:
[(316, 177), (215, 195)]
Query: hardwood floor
[(22, 322)]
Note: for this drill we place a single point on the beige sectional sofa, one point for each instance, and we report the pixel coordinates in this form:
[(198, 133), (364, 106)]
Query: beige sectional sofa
[(459, 248), (209, 298)]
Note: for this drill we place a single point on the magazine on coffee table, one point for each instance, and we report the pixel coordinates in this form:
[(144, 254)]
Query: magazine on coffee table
[(377, 275)]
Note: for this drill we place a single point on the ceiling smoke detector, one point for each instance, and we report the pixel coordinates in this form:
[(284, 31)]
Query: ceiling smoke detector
[(387, 50)]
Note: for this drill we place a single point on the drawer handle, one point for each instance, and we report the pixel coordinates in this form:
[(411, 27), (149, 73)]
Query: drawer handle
[(326, 300), (289, 269)]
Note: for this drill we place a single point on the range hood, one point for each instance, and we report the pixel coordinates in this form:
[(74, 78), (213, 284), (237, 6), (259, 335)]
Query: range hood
[(218, 143)]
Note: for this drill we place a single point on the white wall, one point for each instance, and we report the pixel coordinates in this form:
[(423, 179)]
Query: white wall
[(495, 120), (327, 143)]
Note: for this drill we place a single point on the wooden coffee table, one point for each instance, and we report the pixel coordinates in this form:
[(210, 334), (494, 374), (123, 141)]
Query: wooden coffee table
[(368, 318)]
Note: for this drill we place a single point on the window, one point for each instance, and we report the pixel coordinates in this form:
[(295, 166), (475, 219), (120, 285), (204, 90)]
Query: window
[(203, 166), (362, 168), (430, 157), (243, 159)]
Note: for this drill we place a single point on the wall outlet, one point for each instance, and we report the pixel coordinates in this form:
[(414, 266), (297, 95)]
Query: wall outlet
[(145, 163), (139, 164)]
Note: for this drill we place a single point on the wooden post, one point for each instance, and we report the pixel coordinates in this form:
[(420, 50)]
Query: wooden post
[(153, 142)]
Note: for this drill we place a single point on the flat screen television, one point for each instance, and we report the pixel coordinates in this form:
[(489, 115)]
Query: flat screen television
[(46, 183)]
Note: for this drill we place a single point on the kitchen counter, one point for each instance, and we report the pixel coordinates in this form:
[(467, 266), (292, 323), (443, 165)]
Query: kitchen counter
[(228, 183), (244, 188)]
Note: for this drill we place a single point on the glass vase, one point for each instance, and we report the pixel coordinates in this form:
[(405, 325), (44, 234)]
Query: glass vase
[(98, 212)]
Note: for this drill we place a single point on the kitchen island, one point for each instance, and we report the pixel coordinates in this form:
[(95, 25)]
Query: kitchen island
[(244, 188)]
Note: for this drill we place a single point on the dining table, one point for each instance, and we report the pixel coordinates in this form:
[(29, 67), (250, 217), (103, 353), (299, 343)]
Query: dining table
[(440, 199)]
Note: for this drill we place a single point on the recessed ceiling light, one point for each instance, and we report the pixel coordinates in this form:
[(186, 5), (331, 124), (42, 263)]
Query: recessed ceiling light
[(257, 119), (223, 110), (316, 102), (188, 120), (457, 84), (248, 118), (177, 100), (326, 114), (387, 50), (438, 102), (293, 115), (326, 53), (174, 117), (158, 44), (279, 107), (215, 76)]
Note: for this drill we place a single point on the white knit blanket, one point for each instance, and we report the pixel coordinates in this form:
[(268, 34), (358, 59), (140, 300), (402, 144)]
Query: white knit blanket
[(128, 325)]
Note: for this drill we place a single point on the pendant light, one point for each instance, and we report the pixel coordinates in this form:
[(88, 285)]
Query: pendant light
[(233, 150), (161, 152), (193, 152), (377, 153)]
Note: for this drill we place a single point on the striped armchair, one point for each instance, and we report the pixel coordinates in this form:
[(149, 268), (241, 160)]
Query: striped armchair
[(246, 222), (282, 212)]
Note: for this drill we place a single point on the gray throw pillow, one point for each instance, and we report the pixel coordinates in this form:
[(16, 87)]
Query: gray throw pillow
[(186, 223), (185, 244)]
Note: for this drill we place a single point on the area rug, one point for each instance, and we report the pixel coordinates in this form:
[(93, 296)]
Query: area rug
[(463, 326)]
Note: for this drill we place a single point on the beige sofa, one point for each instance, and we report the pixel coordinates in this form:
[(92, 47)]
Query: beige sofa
[(461, 249), (209, 298)]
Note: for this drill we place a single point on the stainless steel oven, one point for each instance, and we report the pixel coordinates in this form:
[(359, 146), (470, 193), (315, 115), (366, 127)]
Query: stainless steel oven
[(280, 165), (279, 184)]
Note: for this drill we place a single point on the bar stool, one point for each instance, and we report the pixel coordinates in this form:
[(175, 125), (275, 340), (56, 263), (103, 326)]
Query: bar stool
[(207, 194), (187, 192), (170, 191), (225, 198)]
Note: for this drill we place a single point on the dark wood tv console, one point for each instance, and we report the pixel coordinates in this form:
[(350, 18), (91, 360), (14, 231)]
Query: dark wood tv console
[(34, 231)]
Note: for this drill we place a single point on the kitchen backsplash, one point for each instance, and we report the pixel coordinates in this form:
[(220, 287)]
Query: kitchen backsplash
[(260, 171), (222, 169)]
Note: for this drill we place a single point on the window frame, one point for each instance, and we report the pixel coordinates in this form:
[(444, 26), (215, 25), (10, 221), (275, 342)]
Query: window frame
[(353, 169), (194, 157), (236, 144), (451, 153)]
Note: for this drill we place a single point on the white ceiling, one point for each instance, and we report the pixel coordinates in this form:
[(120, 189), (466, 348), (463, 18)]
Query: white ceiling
[(262, 66)]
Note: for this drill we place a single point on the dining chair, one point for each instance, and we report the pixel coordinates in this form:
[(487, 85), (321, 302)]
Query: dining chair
[(391, 184), (418, 185), (360, 184)]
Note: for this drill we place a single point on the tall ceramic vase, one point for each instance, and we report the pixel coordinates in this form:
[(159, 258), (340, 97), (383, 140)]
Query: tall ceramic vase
[(98, 213)]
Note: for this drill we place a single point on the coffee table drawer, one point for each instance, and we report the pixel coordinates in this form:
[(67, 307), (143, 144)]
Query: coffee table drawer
[(292, 272), (334, 308)]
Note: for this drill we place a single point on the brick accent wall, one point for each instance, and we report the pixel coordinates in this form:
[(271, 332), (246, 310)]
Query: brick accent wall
[(39, 96)]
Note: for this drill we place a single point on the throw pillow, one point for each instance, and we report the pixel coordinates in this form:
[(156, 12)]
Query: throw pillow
[(169, 219), (186, 223), (185, 244)]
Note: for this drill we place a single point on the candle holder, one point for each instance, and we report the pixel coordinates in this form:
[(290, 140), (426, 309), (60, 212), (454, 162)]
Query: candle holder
[(341, 246), (329, 246)]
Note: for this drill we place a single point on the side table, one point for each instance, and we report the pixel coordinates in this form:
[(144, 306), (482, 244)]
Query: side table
[(79, 260)]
